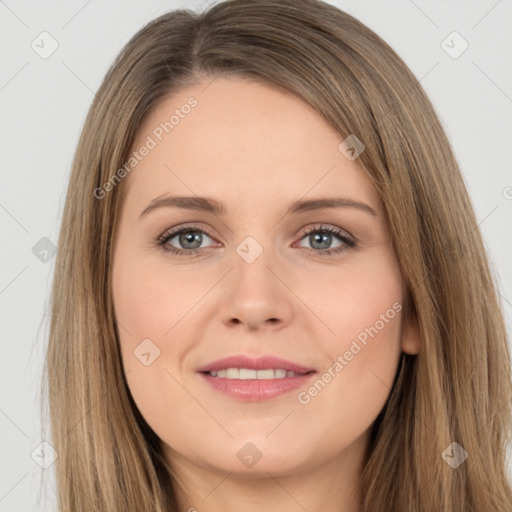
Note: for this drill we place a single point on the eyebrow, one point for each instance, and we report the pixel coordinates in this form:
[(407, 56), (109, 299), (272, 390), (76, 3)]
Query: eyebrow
[(210, 205)]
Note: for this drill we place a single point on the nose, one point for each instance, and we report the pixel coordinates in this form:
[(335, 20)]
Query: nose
[(255, 295)]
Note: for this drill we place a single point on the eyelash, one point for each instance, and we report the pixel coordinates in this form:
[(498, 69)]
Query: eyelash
[(348, 242)]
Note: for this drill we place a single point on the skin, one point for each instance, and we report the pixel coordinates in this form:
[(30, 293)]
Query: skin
[(257, 149)]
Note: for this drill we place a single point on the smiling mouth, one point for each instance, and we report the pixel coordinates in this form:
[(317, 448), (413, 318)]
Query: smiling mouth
[(251, 374)]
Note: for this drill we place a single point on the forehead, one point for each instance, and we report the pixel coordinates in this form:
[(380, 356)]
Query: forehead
[(242, 141)]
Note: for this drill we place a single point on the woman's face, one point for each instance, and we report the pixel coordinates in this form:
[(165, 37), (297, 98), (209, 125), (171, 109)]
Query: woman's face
[(255, 279)]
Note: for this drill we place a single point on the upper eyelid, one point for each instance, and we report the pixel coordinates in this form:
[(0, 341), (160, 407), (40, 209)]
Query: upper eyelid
[(326, 227), (188, 227)]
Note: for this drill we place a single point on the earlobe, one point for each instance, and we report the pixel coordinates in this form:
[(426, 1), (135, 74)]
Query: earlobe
[(411, 342)]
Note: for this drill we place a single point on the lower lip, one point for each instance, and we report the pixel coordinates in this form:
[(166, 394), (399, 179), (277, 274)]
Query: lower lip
[(254, 390)]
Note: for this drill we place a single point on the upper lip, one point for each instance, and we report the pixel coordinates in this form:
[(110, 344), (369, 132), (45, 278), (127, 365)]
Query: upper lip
[(264, 362)]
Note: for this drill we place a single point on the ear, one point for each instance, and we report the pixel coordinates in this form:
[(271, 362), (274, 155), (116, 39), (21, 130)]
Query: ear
[(411, 342)]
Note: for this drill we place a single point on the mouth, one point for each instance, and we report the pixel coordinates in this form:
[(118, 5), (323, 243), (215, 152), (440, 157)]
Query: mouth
[(251, 374), (253, 380)]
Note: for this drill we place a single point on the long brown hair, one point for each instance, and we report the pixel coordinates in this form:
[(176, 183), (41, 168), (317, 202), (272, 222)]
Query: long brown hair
[(457, 389)]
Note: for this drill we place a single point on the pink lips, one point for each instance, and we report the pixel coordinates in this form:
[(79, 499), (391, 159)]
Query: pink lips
[(260, 363), (255, 389)]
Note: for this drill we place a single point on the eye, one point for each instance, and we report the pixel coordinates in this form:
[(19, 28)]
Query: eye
[(320, 238), (189, 237)]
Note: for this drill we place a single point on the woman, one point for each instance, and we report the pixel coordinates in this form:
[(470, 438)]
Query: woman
[(331, 339)]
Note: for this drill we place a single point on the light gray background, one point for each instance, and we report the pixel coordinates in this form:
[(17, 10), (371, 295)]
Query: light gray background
[(43, 106)]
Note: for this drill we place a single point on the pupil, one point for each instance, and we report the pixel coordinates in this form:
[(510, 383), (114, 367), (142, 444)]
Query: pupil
[(318, 237), (190, 237)]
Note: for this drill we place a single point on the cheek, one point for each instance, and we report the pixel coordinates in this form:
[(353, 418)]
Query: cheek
[(353, 388), (152, 308), (358, 302), (363, 310), (151, 303)]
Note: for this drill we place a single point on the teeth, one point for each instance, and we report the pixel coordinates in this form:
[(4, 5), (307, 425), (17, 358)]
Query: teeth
[(233, 373), (246, 373)]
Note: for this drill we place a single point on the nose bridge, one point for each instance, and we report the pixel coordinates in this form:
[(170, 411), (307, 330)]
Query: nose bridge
[(253, 260), (253, 293)]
